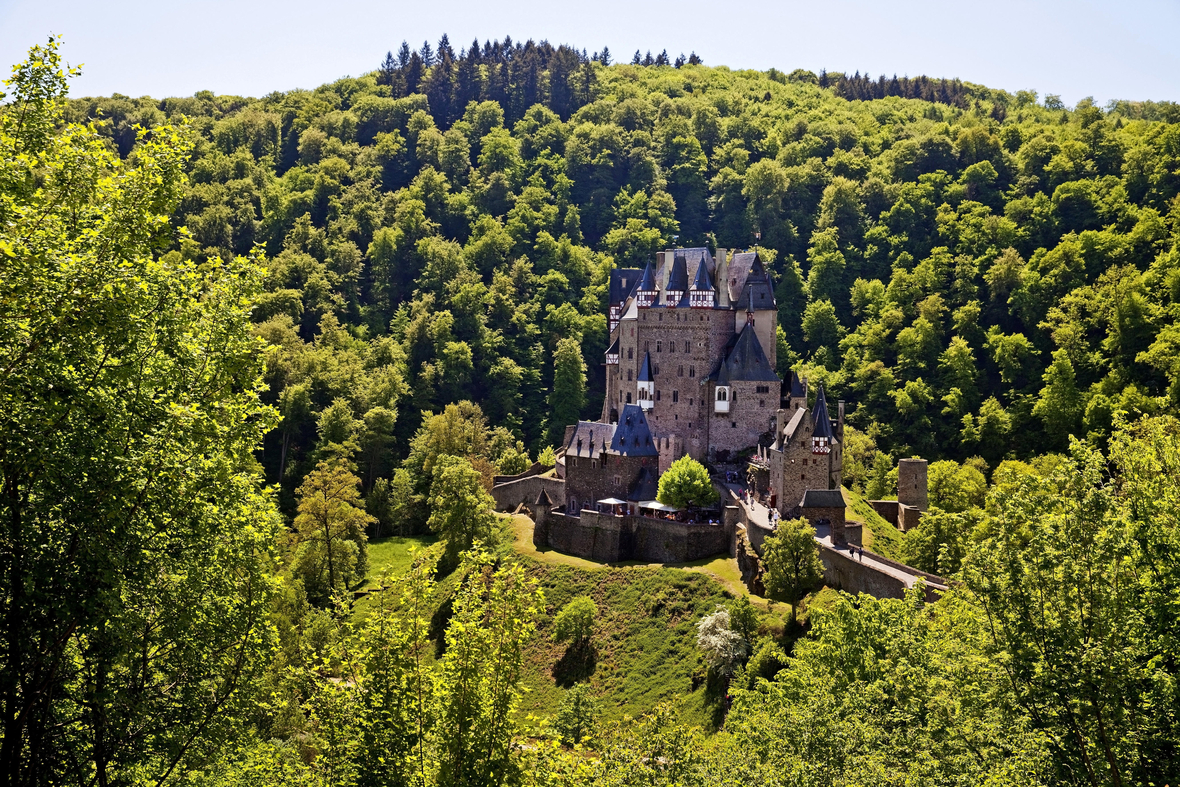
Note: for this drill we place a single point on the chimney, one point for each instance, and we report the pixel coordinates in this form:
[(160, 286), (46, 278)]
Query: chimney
[(840, 420)]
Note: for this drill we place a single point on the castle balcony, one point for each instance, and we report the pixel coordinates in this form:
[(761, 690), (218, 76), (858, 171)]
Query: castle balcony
[(645, 298), (721, 400), (700, 300), (612, 359)]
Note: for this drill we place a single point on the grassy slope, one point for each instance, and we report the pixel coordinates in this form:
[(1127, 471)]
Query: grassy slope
[(880, 536), (392, 554), (645, 640)]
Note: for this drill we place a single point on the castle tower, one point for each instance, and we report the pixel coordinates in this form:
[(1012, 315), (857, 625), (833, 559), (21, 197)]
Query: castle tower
[(796, 393), (702, 294), (541, 520), (911, 483)]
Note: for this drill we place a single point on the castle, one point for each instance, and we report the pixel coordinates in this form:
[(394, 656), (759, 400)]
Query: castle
[(690, 369)]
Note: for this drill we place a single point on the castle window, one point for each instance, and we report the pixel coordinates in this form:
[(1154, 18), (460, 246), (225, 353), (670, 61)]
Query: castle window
[(721, 394), (661, 316), (659, 347), (680, 371), (675, 396), (690, 401), (733, 424), (628, 375), (671, 347), (692, 371), (628, 398), (657, 395), (761, 402), (630, 353), (655, 369), (686, 347)]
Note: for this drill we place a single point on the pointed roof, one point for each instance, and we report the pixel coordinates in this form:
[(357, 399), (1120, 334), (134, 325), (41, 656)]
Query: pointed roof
[(823, 424), (646, 487), (797, 389), (678, 277), (703, 282), (543, 499), (645, 373), (614, 347), (745, 360), (648, 282), (632, 437)]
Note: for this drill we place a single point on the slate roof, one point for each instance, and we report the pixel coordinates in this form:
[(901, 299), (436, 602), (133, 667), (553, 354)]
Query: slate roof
[(740, 266), (822, 498), (823, 424), (648, 282), (614, 347), (745, 360), (646, 487), (793, 425), (797, 389), (590, 439), (757, 292), (622, 283), (678, 277), (632, 436), (703, 281), (645, 373)]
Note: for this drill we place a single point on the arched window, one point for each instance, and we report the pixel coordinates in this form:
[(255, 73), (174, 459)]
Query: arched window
[(721, 394)]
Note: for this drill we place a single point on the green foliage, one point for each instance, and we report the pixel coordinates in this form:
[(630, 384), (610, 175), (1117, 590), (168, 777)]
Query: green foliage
[(569, 387), (578, 715), (686, 484), (955, 488), (135, 562), (743, 618), (575, 622), (460, 508), (791, 562), (331, 552)]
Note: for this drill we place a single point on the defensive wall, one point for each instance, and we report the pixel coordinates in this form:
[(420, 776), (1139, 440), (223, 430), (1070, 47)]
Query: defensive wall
[(525, 489), (610, 538), (903, 517), (846, 572)]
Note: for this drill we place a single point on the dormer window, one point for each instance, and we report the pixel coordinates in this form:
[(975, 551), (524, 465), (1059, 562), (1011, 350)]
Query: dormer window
[(820, 445)]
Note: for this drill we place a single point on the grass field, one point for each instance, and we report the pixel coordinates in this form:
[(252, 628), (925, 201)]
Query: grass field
[(880, 536), (392, 554)]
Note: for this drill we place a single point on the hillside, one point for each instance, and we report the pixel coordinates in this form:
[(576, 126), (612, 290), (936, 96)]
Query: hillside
[(976, 273)]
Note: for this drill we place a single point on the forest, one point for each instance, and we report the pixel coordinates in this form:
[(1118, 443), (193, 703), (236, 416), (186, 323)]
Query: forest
[(244, 339)]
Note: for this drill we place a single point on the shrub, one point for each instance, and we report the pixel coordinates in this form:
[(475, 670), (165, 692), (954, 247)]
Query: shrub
[(575, 622)]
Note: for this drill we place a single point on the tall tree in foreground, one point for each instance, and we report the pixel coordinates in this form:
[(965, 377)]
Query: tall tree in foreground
[(135, 545), (792, 562), (331, 523)]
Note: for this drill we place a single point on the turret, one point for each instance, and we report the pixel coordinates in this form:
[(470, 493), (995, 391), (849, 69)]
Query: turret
[(702, 294), (645, 291), (821, 435)]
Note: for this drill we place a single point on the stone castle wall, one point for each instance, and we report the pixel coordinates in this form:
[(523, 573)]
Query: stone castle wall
[(607, 538), (525, 490)]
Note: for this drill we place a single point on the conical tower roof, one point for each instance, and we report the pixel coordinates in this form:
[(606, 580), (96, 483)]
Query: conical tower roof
[(648, 282), (703, 282), (645, 373), (823, 424)]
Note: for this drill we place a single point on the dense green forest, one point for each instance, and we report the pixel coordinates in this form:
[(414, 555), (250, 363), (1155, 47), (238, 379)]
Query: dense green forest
[(977, 273), (242, 338)]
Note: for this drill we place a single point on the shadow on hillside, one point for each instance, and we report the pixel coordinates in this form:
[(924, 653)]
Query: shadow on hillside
[(577, 663)]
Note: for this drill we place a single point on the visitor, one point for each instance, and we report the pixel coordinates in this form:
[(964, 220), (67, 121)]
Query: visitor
[(860, 554)]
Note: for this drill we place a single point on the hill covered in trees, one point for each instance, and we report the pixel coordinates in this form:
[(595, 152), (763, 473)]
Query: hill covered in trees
[(977, 273), (415, 289)]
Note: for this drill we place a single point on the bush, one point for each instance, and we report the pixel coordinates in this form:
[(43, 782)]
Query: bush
[(575, 622)]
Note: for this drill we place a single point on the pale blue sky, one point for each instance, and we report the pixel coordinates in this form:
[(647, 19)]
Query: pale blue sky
[(1127, 49)]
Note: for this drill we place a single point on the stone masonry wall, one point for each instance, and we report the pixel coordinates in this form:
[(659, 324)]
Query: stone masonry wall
[(508, 496), (606, 538)]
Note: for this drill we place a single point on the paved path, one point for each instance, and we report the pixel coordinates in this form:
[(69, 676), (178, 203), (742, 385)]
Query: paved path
[(760, 515)]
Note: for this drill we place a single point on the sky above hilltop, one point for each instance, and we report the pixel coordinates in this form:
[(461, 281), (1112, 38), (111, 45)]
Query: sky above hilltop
[(1073, 49)]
